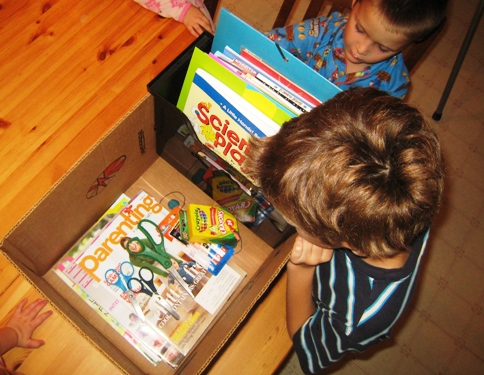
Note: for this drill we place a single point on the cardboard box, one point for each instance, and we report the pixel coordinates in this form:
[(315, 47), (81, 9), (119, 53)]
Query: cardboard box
[(125, 160)]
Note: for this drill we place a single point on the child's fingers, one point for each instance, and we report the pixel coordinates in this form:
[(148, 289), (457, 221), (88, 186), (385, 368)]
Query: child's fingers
[(305, 252), (302, 251), (297, 250), (34, 308), (41, 318), (34, 344), (197, 30), (20, 306), (205, 24)]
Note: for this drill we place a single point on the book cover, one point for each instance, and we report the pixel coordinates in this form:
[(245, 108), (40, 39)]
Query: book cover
[(223, 121), (152, 298), (237, 34), (265, 104)]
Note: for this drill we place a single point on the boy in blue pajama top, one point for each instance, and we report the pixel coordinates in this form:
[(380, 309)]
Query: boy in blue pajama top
[(362, 49), (360, 177)]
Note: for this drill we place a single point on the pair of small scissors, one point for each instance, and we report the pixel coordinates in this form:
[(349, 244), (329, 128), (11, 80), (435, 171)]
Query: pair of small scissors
[(146, 277), (121, 280), (154, 234)]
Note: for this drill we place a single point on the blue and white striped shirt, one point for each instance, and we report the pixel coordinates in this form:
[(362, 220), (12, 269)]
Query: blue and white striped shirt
[(357, 305)]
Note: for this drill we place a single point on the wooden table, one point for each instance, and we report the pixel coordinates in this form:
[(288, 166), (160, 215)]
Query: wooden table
[(69, 72)]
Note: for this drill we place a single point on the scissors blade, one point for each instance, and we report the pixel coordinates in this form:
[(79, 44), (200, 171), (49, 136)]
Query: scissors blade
[(139, 312), (167, 307), (137, 308), (173, 272)]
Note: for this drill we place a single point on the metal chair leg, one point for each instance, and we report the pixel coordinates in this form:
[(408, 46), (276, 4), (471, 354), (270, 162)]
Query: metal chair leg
[(458, 62)]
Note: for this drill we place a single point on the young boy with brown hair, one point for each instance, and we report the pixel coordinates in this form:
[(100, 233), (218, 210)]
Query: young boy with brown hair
[(361, 178), (363, 49)]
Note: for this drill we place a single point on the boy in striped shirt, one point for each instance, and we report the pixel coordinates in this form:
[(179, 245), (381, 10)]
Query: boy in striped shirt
[(361, 178)]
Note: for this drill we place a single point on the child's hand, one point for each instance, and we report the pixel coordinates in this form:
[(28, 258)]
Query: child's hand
[(196, 22), (25, 320), (307, 253)]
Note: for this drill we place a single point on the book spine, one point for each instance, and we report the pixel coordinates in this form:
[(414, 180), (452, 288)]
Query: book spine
[(257, 62), (273, 93), (279, 89)]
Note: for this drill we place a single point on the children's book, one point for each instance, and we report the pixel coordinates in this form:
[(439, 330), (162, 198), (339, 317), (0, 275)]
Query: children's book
[(222, 120), (261, 65), (237, 34), (138, 270), (206, 62)]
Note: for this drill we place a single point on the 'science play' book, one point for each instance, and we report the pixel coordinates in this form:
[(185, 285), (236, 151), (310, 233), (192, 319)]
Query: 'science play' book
[(223, 121)]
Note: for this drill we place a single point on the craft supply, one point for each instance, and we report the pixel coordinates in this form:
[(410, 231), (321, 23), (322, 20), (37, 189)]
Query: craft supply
[(210, 224)]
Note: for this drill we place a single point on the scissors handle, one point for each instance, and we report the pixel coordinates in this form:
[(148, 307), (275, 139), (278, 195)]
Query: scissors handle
[(146, 277), (156, 239), (137, 286), (113, 277), (127, 269)]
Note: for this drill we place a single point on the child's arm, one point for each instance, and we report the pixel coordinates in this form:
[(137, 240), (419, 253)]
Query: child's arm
[(21, 326), (300, 272), (184, 11), (196, 22)]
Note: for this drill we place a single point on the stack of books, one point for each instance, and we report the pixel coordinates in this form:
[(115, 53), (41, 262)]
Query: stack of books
[(232, 94)]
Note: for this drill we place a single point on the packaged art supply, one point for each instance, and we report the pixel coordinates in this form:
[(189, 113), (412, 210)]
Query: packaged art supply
[(210, 224), (229, 195)]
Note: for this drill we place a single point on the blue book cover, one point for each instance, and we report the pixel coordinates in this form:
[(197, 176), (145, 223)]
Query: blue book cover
[(235, 33)]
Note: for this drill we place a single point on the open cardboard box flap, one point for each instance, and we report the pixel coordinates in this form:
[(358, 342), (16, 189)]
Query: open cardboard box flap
[(70, 208)]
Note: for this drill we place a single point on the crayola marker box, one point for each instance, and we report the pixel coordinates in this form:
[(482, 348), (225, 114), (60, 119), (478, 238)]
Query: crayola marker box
[(210, 224)]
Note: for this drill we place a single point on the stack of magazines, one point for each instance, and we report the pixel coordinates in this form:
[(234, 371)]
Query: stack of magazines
[(152, 287)]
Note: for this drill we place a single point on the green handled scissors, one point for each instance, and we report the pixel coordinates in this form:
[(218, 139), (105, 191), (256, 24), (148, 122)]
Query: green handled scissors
[(153, 233)]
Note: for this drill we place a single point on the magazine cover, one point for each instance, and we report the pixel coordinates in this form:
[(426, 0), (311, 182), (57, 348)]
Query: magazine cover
[(155, 352), (139, 272)]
